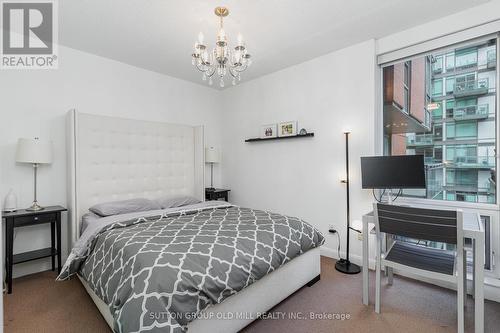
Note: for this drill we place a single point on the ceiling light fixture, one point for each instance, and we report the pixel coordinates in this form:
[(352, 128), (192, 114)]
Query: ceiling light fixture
[(222, 59)]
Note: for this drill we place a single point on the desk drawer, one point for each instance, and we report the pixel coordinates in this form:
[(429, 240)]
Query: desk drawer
[(30, 220)]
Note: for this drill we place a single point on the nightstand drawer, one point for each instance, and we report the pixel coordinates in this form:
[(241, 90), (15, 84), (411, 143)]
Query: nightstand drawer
[(218, 195), (34, 219)]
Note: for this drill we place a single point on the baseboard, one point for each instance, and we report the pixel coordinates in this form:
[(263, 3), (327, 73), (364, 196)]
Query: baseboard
[(34, 267), (491, 285)]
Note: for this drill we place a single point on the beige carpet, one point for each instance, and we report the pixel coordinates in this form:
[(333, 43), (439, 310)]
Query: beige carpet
[(39, 304)]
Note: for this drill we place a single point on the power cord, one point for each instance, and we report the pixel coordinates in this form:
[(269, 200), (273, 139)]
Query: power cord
[(379, 200), (333, 231)]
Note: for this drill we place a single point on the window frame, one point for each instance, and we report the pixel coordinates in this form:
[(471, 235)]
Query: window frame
[(492, 210), (379, 139)]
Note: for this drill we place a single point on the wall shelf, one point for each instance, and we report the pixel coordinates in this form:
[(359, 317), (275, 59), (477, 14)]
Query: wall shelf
[(308, 135)]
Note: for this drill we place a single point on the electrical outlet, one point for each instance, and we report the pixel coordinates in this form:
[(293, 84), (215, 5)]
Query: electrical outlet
[(360, 236), (331, 226)]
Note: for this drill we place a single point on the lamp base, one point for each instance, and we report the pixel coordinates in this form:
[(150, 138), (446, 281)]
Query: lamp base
[(35, 207), (347, 267)]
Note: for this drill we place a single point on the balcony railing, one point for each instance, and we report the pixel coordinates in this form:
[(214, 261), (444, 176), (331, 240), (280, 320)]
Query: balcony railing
[(472, 162), (432, 160), (471, 112), (434, 188), (470, 88), (420, 140)]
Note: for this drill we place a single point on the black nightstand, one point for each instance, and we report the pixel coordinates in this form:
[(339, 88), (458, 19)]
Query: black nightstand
[(217, 194), (23, 218)]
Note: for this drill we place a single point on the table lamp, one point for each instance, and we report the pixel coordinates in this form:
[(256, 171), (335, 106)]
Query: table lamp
[(35, 152), (211, 156)]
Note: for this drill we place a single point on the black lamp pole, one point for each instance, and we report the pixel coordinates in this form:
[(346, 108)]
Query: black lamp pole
[(344, 265)]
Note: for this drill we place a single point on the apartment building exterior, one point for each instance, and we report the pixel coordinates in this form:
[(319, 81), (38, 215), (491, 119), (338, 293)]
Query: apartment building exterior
[(447, 108)]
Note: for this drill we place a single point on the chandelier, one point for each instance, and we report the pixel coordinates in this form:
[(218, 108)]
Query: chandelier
[(222, 60)]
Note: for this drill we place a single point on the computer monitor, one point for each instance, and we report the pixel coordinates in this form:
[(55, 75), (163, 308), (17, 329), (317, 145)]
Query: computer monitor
[(393, 172)]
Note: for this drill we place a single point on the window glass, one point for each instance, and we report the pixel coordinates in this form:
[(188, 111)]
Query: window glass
[(437, 87), (437, 65), (438, 112), (450, 85), (461, 130), (450, 61), (458, 141), (466, 57)]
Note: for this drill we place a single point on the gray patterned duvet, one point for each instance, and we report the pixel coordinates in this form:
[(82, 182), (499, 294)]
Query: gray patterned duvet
[(158, 272)]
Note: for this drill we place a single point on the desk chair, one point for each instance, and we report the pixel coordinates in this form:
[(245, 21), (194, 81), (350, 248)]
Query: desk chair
[(429, 224)]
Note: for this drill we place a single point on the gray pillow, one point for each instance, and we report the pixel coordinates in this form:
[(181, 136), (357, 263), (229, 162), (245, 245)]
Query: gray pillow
[(88, 219), (176, 201), (124, 207)]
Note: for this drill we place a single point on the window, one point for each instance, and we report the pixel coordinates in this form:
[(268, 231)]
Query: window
[(459, 141), (463, 130), (466, 58), (438, 112), (491, 56), (437, 87), (450, 85), (437, 65), (465, 83), (406, 84), (450, 106), (461, 153), (438, 132), (450, 61), (462, 179)]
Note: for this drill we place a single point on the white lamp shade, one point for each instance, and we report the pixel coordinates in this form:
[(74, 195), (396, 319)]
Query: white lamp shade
[(34, 151), (212, 155)]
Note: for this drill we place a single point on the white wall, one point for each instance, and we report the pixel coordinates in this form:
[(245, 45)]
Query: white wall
[(34, 103), (301, 177)]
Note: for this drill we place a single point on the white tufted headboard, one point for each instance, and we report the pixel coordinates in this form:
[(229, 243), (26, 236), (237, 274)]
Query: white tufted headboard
[(115, 159)]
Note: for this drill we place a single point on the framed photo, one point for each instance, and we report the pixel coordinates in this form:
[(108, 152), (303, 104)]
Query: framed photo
[(269, 131), (287, 128)]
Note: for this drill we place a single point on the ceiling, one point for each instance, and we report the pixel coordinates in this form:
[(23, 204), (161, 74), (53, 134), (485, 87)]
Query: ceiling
[(158, 35)]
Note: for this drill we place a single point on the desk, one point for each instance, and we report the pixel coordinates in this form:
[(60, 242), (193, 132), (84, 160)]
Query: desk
[(473, 229)]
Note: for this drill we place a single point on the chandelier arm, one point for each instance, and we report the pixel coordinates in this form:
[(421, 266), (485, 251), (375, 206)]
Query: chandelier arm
[(200, 68), (241, 68), (213, 72), (233, 72)]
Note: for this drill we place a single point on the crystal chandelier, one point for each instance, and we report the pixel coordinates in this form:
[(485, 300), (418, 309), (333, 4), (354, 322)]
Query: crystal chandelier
[(222, 60)]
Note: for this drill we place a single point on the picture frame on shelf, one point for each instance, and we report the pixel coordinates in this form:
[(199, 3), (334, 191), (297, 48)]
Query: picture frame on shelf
[(269, 131), (287, 128)]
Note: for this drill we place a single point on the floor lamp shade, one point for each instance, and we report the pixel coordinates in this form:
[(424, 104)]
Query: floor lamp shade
[(34, 151)]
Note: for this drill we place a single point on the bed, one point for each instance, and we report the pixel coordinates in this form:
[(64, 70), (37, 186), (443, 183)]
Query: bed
[(114, 159)]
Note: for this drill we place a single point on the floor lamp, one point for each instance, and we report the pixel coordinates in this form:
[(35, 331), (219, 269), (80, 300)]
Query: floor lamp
[(344, 265)]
